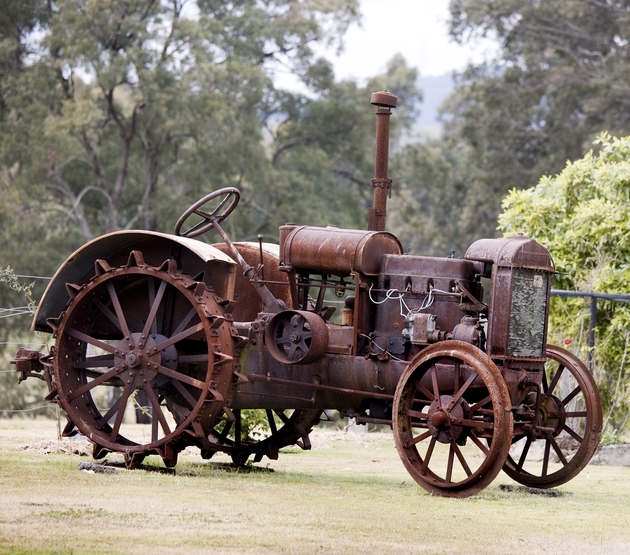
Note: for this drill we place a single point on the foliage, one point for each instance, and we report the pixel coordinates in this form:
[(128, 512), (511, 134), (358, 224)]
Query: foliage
[(559, 77), (582, 215), (429, 199)]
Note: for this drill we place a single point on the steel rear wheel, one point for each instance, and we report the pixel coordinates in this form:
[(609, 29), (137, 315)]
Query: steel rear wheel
[(451, 419), (135, 329), (570, 421), (261, 432)]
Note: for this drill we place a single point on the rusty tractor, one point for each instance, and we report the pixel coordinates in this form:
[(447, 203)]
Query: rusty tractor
[(451, 353)]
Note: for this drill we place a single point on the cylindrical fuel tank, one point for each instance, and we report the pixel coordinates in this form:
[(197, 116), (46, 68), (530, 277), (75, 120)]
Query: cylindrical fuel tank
[(335, 251)]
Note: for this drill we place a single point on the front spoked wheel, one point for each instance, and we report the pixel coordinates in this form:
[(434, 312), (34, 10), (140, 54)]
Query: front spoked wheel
[(451, 419), (569, 425)]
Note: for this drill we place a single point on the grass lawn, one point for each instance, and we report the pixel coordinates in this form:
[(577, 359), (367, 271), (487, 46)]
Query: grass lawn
[(350, 494)]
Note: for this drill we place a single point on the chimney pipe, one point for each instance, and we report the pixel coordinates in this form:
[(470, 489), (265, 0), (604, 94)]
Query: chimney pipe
[(381, 183)]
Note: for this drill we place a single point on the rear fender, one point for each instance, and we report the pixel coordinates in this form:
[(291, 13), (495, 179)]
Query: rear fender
[(193, 257)]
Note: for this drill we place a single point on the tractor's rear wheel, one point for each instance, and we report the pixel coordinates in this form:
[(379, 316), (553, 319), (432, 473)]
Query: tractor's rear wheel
[(139, 328), (261, 432)]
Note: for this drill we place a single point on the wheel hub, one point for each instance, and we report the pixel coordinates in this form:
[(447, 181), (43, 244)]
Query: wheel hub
[(439, 420), (549, 408), (141, 366)]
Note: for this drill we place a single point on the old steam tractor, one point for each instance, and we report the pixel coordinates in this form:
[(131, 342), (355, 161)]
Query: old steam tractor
[(209, 333)]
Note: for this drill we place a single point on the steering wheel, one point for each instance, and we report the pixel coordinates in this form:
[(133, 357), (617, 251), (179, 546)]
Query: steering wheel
[(209, 219)]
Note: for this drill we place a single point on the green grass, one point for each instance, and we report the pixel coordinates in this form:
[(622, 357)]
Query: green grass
[(345, 496)]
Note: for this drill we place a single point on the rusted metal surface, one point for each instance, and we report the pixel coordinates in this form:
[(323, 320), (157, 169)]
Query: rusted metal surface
[(381, 183), (517, 251), (296, 337), (340, 252), (430, 415), (521, 271), (419, 345), (247, 301), (197, 257)]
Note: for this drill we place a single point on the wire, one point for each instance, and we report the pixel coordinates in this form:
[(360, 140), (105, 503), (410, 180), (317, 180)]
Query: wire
[(381, 348), (27, 410), (21, 343), (17, 313), (32, 277), (388, 295), (426, 302)]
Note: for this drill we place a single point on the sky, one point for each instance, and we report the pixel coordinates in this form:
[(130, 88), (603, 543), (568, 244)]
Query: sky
[(415, 28)]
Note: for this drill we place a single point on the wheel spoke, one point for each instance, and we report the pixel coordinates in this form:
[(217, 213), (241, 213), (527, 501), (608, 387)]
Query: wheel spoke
[(573, 433), (184, 393), (418, 439), (272, 421), (545, 467), (108, 313), (282, 416), (416, 414), (199, 225), (461, 458), (558, 451), (151, 323), (97, 381), (575, 414), (182, 325), (154, 428), (173, 374), (571, 395), (108, 415), (461, 391), (427, 456), (120, 413), (100, 361), (419, 387), (188, 359), (471, 423), (238, 427), (449, 464), (157, 411), (554, 381), (481, 403), (480, 445), (436, 389), (177, 337), (87, 339), (456, 372), (226, 430), (521, 460), (119, 312)]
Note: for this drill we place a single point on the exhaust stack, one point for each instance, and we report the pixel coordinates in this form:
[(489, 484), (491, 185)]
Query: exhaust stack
[(381, 183)]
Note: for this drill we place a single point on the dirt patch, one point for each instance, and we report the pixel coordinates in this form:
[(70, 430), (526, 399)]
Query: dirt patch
[(61, 447)]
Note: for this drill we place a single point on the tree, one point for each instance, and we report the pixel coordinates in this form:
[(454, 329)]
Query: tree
[(559, 78), (323, 149), (582, 215), (117, 99)]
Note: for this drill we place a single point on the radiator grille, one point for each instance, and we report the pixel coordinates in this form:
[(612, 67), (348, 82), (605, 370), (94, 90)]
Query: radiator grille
[(529, 310)]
